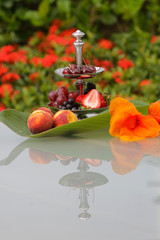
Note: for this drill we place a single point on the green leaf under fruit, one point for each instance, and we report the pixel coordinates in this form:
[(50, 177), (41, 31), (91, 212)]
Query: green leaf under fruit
[(17, 121), (84, 111)]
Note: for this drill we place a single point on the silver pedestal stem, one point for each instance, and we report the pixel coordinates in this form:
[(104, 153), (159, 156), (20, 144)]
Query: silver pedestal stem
[(78, 44)]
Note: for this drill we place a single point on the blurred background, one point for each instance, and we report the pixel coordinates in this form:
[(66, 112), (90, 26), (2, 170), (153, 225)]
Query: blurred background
[(36, 38)]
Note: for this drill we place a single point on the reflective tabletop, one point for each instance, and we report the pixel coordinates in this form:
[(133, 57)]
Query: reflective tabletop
[(87, 186)]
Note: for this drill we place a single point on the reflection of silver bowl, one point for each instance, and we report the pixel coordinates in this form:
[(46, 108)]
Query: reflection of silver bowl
[(59, 71), (87, 179)]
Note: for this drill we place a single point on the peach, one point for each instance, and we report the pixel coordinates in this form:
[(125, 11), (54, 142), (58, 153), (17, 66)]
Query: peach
[(46, 110), (40, 121), (63, 117)]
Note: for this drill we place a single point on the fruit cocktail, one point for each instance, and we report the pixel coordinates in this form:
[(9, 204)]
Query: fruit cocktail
[(79, 71)]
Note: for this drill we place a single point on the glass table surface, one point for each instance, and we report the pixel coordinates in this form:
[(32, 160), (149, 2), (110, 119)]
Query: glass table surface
[(89, 186)]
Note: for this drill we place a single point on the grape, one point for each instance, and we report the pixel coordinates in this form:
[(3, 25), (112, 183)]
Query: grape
[(55, 104), (73, 95), (52, 95), (60, 99), (74, 109), (65, 103), (71, 100), (68, 106), (62, 91), (50, 104)]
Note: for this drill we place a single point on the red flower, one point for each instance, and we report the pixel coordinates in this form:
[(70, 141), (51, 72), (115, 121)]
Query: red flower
[(7, 49), (10, 77), (102, 83), (49, 60), (61, 83), (2, 107), (116, 76), (67, 59), (104, 43), (125, 63), (40, 35), (70, 49), (103, 63), (33, 76), (68, 32), (154, 39), (36, 61), (54, 26), (3, 69), (5, 89), (145, 82)]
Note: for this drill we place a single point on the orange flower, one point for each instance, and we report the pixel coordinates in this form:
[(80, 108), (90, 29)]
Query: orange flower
[(128, 123), (154, 39), (154, 110)]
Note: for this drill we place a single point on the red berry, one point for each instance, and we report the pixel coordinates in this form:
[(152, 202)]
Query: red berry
[(80, 98), (73, 95), (66, 71), (60, 99), (62, 91), (103, 102), (92, 99), (52, 95)]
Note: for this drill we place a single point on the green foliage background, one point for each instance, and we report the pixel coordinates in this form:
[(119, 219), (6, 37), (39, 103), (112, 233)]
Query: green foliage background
[(102, 17)]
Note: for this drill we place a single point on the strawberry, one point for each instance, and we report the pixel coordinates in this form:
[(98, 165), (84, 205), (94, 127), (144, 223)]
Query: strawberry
[(92, 99), (80, 98), (103, 102)]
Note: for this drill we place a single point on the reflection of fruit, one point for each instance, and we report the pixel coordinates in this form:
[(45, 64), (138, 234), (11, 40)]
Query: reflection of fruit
[(40, 121), (92, 99), (62, 157), (63, 117), (40, 157), (93, 162)]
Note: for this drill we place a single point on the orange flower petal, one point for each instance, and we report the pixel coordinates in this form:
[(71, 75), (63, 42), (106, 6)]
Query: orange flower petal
[(154, 110), (148, 127), (121, 104)]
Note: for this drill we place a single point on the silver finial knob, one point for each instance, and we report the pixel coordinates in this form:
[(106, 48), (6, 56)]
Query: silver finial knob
[(78, 44)]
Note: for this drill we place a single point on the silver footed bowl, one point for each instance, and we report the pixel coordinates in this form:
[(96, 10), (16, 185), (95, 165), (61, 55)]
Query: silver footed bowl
[(59, 71)]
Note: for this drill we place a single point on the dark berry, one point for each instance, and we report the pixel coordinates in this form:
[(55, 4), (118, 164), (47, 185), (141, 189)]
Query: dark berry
[(60, 106), (63, 108), (74, 109), (68, 106), (71, 100), (65, 103), (86, 90), (91, 86)]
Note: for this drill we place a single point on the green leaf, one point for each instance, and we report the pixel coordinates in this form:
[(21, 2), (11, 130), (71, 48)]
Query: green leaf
[(129, 7), (43, 8), (84, 111), (17, 121)]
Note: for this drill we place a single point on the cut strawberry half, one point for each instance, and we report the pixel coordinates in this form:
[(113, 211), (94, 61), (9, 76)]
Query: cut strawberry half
[(80, 98), (92, 99)]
